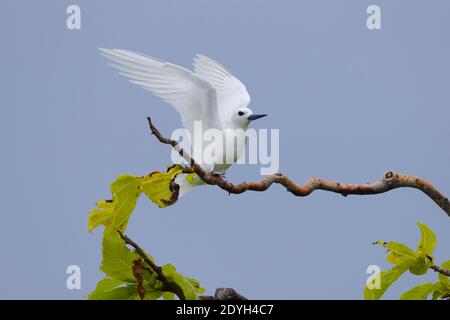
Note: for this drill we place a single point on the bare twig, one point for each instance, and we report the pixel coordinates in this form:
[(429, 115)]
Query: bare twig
[(389, 181), (168, 285), (441, 270), (221, 293)]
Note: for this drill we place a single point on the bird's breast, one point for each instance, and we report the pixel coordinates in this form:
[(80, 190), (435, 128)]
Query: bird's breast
[(233, 146)]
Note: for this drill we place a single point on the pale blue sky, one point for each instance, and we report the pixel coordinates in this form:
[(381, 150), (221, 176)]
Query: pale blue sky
[(350, 104)]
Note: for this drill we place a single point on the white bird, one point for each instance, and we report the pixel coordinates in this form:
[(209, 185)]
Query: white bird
[(210, 94)]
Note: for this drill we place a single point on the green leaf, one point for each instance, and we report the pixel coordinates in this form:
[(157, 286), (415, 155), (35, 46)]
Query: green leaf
[(420, 292), (420, 266), (117, 259), (394, 258), (113, 289), (102, 215), (168, 295), (159, 186), (399, 252), (441, 289), (188, 287), (125, 190), (387, 277), (437, 294), (380, 243), (427, 241), (149, 277), (151, 294), (404, 252), (443, 278), (168, 270), (196, 284)]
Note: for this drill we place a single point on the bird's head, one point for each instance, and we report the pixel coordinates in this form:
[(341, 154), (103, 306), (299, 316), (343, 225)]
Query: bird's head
[(243, 116)]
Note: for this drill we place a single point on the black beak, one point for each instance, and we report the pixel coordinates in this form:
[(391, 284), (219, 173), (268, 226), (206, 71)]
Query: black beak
[(256, 116)]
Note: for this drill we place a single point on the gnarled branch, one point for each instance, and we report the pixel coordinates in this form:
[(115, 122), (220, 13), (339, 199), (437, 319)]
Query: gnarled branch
[(389, 181), (220, 294), (168, 285)]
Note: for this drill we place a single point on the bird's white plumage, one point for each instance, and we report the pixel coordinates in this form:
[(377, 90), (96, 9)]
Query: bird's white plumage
[(193, 97), (210, 94), (231, 93)]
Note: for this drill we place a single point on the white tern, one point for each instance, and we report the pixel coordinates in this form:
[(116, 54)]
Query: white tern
[(210, 94)]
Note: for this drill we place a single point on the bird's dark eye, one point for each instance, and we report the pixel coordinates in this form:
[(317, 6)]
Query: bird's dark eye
[(241, 113)]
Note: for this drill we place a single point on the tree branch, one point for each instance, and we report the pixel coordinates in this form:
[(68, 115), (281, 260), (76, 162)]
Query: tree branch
[(390, 180), (221, 293), (224, 294), (441, 270), (168, 285)]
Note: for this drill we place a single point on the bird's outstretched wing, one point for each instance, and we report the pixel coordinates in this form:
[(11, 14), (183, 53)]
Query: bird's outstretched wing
[(192, 96), (231, 93)]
